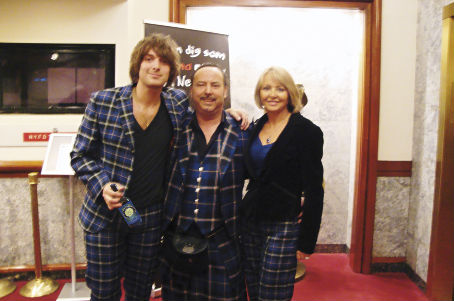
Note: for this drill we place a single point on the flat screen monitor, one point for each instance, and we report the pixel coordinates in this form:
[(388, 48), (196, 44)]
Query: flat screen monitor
[(53, 78)]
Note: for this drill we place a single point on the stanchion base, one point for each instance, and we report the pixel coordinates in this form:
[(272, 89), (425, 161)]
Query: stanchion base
[(6, 287), (300, 271), (39, 287), (82, 292)]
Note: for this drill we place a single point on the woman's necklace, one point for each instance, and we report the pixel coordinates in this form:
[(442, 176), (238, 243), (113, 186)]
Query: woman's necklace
[(272, 132)]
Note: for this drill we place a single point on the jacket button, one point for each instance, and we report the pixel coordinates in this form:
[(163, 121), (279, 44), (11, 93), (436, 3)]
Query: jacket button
[(201, 168), (196, 211)]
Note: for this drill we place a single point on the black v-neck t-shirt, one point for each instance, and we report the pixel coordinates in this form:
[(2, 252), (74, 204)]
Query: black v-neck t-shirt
[(152, 148)]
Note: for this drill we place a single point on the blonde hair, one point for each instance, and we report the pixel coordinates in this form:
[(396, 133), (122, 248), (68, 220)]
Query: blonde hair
[(283, 77)]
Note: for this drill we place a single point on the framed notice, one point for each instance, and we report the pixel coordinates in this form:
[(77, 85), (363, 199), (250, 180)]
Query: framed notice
[(195, 47), (57, 160)]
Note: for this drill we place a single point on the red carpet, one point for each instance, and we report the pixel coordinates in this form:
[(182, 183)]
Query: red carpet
[(328, 277)]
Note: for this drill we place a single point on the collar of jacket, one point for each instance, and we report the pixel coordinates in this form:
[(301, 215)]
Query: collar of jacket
[(124, 103), (225, 151), (282, 141)]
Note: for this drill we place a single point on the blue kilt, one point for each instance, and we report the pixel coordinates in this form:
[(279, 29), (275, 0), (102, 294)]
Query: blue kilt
[(223, 280), (269, 252)]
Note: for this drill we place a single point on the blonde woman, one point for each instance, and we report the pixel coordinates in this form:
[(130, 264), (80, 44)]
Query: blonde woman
[(283, 159)]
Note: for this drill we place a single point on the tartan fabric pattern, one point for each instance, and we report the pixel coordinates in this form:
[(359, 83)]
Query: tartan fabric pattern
[(104, 147), (204, 191), (223, 281), (269, 253), (119, 251), (223, 176)]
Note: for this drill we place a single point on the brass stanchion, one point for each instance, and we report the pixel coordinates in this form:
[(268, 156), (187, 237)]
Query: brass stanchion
[(40, 286), (6, 287)]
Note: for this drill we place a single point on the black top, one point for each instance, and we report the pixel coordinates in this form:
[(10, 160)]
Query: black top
[(292, 166), (150, 158), (200, 144)]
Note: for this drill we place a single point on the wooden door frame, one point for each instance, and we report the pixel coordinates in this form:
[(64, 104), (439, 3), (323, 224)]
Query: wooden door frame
[(368, 111), (440, 274)]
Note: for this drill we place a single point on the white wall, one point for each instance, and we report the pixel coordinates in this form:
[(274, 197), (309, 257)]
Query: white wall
[(330, 78), (52, 21), (120, 22), (397, 81)]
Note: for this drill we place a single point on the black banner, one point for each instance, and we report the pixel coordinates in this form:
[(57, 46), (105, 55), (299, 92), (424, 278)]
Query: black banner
[(195, 47)]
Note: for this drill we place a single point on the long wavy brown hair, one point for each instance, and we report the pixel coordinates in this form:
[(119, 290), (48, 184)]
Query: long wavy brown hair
[(164, 46)]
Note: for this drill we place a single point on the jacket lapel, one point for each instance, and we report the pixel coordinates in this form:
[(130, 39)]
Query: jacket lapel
[(282, 141), (246, 152), (126, 113), (185, 147), (175, 111), (227, 146)]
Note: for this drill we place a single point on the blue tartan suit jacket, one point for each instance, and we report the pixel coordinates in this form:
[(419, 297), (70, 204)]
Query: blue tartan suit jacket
[(104, 148), (230, 172)]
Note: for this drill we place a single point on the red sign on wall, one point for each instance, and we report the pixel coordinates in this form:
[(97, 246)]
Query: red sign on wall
[(36, 137)]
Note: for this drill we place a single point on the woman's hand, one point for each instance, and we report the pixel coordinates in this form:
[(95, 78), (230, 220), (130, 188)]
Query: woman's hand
[(300, 256)]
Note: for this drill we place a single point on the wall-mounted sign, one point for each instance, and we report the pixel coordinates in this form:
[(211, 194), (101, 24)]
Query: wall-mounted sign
[(36, 137)]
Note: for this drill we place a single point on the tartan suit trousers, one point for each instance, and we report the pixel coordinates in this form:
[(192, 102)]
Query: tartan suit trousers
[(269, 254), (119, 251)]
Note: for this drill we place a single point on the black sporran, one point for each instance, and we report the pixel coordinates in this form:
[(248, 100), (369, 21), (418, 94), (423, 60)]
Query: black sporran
[(185, 252)]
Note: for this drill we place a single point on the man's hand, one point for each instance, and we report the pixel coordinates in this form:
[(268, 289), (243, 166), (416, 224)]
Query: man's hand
[(300, 256), (240, 115), (112, 198)]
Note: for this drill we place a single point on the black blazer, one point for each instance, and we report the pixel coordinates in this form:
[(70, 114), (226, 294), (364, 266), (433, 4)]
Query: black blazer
[(292, 166)]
